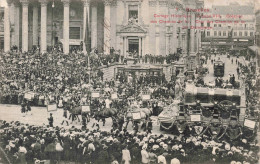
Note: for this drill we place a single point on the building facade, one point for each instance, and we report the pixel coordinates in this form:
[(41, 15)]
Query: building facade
[(257, 35), (257, 41), (231, 27), (126, 25), (1, 28)]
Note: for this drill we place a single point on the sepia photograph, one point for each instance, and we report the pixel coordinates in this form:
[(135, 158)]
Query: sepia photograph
[(129, 81)]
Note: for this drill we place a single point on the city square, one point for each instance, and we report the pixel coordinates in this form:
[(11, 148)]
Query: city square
[(129, 81)]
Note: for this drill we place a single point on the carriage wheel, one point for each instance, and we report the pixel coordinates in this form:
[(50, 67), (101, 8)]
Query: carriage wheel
[(161, 128)]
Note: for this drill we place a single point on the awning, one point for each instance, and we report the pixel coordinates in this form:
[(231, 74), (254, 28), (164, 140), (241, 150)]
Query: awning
[(238, 48), (254, 48)]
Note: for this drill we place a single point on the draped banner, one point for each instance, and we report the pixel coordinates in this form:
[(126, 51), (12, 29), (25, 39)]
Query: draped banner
[(85, 109), (195, 117), (136, 116), (52, 107), (249, 123), (146, 97), (29, 96), (114, 96), (95, 95)]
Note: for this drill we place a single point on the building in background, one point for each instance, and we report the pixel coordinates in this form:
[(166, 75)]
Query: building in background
[(1, 28), (232, 27), (257, 35), (255, 50), (114, 24)]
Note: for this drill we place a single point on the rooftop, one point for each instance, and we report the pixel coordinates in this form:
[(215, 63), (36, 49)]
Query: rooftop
[(233, 10)]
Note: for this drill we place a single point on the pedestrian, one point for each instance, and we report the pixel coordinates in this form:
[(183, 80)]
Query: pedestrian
[(175, 161), (84, 121), (121, 122), (65, 114), (50, 119), (126, 157), (135, 127), (28, 108), (152, 157), (162, 159), (145, 155), (23, 107), (149, 126)]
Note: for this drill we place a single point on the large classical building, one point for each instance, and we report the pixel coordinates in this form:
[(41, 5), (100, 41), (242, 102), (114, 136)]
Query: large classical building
[(257, 15), (231, 27), (257, 40), (128, 26), (1, 28)]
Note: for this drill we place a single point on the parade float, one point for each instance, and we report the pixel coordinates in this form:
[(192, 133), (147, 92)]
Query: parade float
[(219, 113)]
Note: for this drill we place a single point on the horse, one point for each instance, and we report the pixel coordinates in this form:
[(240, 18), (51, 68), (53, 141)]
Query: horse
[(135, 114), (105, 113), (75, 112)]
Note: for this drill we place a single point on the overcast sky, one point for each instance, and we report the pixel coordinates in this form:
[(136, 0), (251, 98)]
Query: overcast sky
[(208, 3)]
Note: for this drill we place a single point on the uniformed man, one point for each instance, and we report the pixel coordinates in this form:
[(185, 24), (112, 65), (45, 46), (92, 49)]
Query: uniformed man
[(50, 119), (23, 107), (149, 126)]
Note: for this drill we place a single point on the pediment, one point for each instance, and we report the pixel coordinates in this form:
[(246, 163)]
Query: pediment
[(132, 28)]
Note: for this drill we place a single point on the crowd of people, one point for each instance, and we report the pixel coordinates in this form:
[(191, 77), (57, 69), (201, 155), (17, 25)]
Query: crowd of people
[(57, 74), (32, 144), (65, 79), (47, 74)]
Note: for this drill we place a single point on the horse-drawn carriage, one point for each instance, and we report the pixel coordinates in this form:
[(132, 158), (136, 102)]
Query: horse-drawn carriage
[(219, 69), (218, 121), (137, 114), (203, 70)]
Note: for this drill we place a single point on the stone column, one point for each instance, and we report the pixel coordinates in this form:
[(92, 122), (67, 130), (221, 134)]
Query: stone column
[(12, 16), (113, 23), (25, 25), (125, 14), (35, 24), (17, 25), (127, 44), (143, 46), (140, 47), (7, 39), (192, 32), (173, 38), (66, 26), (167, 45), (124, 46), (151, 37), (179, 30), (162, 33), (43, 25), (107, 27), (140, 15), (94, 26), (85, 14)]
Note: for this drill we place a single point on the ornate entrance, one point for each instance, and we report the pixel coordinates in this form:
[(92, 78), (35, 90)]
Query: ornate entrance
[(133, 48), (133, 39)]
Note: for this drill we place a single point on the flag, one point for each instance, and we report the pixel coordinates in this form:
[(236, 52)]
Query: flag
[(87, 34)]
